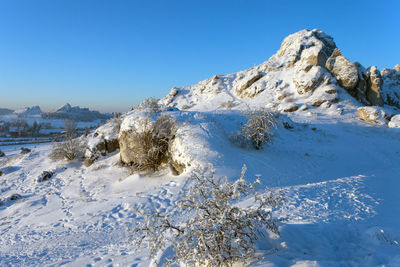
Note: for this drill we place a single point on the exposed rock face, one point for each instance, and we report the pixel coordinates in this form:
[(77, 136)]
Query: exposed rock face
[(145, 142), (371, 114), (102, 141), (307, 80), (343, 69), (311, 47), (374, 86), (246, 83), (391, 86)]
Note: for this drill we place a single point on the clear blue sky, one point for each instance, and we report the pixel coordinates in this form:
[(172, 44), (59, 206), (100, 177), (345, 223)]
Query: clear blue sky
[(110, 55)]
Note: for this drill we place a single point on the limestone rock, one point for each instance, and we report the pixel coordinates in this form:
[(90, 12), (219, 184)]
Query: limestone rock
[(394, 122), (371, 114), (374, 86), (344, 70), (307, 81), (246, 83), (391, 88), (102, 141), (310, 47)]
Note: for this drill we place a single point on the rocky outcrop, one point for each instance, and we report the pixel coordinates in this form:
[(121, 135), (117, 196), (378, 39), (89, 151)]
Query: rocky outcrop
[(308, 79), (102, 141), (391, 86), (372, 114), (374, 86), (343, 69), (246, 82), (145, 142), (310, 47)]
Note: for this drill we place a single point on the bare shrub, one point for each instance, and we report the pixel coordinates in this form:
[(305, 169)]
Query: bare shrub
[(228, 104), (71, 147), (258, 127), (70, 128), (117, 121), (216, 232), (150, 103), (151, 143)]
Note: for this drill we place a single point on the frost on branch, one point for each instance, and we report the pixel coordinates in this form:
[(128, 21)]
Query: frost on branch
[(258, 129), (217, 232)]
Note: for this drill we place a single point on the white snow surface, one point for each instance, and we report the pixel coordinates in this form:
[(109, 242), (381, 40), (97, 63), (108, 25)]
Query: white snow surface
[(340, 177)]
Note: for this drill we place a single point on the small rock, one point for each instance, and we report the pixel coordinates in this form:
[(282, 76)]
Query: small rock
[(291, 108), (2, 154), (46, 175), (286, 125), (14, 197), (1, 173), (25, 150), (371, 114), (394, 121)]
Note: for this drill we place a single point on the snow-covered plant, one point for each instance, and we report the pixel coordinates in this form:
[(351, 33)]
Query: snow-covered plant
[(152, 141), (151, 104), (71, 147), (216, 231), (258, 127)]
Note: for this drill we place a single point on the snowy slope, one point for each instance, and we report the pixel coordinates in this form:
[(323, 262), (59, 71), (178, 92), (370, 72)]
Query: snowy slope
[(340, 176)]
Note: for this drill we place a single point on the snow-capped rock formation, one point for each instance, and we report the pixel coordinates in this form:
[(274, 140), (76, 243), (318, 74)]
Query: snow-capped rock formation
[(29, 111), (307, 71), (76, 113)]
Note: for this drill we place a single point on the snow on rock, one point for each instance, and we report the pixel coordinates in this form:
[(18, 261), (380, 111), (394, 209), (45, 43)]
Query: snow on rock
[(394, 122), (343, 69), (372, 114), (311, 47), (374, 86), (102, 141), (29, 111), (391, 86)]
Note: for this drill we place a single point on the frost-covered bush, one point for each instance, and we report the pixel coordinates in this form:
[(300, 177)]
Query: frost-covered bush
[(151, 104), (150, 141), (71, 147), (216, 231), (258, 130)]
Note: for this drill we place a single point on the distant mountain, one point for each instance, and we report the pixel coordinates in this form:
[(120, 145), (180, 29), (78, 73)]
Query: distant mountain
[(76, 113), (5, 111), (29, 111)]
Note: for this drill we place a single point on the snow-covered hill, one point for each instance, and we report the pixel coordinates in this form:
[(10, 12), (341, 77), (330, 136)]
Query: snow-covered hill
[(29, 111), (339, 174)]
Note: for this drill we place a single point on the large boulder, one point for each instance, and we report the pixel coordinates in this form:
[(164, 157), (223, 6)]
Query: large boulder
[(374, 86), (372, 114), (310, 47), (343, 69), (145, 141)]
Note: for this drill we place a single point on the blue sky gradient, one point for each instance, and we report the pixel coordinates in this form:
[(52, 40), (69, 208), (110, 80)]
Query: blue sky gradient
[(110, 55)]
